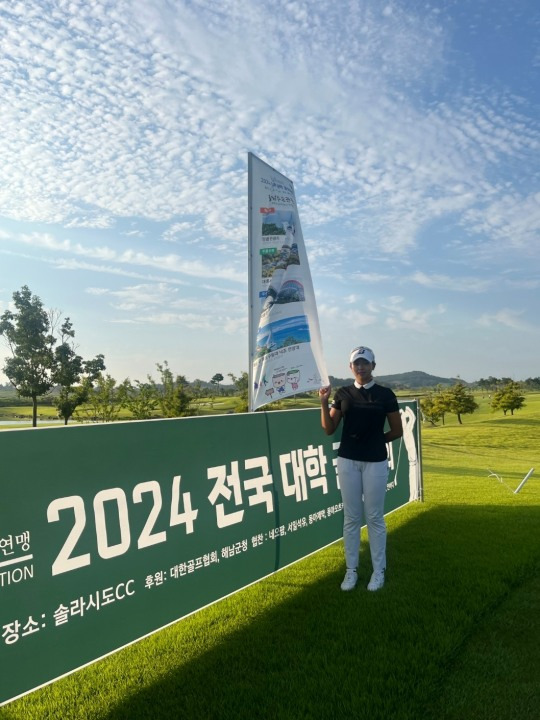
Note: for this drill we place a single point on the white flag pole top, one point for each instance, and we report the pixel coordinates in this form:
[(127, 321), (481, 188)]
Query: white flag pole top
[(285, 348)]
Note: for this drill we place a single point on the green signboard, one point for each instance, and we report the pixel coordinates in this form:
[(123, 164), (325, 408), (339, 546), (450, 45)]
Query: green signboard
[(111, 532)]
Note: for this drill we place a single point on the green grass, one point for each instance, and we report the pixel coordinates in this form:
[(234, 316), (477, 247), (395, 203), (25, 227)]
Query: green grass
[(496, 675), (453, 634), (24, 412), (14, 412)]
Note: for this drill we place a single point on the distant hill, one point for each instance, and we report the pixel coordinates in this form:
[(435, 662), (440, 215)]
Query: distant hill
[(405, 381)]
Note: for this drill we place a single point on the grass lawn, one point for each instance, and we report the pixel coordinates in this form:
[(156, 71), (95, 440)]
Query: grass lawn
[(47, 413), (455, 633), (22, 415)]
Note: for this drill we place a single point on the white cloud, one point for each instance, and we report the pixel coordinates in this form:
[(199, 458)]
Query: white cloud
[(507, 318), (162, 303), (351, 319), (171, 262), (408, 318), (95, 221), (189, 320), (371, 277), (446, 282), (524, 284), (111, 112), (512, 220), (96, 291), (177, 231)]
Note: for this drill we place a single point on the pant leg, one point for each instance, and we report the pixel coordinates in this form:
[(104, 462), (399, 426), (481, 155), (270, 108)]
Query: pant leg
[(350, 481), (375, 477)]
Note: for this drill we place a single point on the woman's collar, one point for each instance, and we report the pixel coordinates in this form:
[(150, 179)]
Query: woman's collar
[(367, 386)]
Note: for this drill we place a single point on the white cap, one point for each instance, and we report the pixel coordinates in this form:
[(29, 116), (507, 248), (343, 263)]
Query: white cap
[(362, 352)]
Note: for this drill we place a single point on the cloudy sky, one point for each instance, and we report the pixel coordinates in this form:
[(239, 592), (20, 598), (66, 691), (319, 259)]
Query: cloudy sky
[(410, 130)]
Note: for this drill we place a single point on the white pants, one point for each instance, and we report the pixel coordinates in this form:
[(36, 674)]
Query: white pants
[(363, 488)]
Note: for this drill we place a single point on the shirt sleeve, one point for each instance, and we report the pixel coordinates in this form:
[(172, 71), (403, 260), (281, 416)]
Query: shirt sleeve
[(391, 404), (336, 402)]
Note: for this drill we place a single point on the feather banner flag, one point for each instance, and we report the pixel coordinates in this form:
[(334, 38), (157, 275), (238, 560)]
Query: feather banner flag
[(285, 345)]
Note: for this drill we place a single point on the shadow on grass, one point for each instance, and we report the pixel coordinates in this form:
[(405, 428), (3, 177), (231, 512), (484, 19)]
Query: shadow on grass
[(327, 654), (501, 663), (464, 472), (513, 420)]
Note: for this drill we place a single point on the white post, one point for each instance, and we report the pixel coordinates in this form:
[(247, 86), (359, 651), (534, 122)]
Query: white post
[(522, 483)]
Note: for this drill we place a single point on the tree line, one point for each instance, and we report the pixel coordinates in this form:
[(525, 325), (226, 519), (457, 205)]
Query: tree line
[(459, 399), (493, 384), (45, 362)]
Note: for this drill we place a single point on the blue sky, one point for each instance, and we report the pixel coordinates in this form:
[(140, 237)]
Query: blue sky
[(410, 130)]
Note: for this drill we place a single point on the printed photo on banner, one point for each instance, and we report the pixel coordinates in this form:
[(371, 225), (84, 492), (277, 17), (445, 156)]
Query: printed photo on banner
[(281, 334)]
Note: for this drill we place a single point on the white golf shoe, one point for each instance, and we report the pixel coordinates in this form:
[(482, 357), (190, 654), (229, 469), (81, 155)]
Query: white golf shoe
[(377, 581), (350, 580)]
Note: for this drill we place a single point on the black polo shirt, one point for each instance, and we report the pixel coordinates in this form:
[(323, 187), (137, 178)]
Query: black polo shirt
[(364, 415)]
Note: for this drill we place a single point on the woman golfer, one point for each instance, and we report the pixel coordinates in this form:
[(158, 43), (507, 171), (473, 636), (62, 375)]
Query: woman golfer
[(362, 460)]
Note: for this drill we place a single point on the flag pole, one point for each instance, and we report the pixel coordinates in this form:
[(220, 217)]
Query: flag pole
[(250, 283)]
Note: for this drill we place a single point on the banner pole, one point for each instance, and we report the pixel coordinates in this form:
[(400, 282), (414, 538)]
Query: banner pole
[(419, 436), (250, 283)]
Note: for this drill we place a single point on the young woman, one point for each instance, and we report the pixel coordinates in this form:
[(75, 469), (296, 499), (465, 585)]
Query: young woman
[(362, 460)]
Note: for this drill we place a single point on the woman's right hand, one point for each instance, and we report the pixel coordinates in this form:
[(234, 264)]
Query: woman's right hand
[(324, 393)]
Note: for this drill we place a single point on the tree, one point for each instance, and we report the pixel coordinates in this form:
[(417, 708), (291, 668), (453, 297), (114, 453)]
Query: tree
[(483, 384), (442, 401), (197, 392), (461, 401), (241, 384), (69, 399), (196, 387), (173, 400), (28, 334), (140, 399), (430, 409), (436, 404), (218, 377), (72, 374), (105, 399), (508, 398)]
